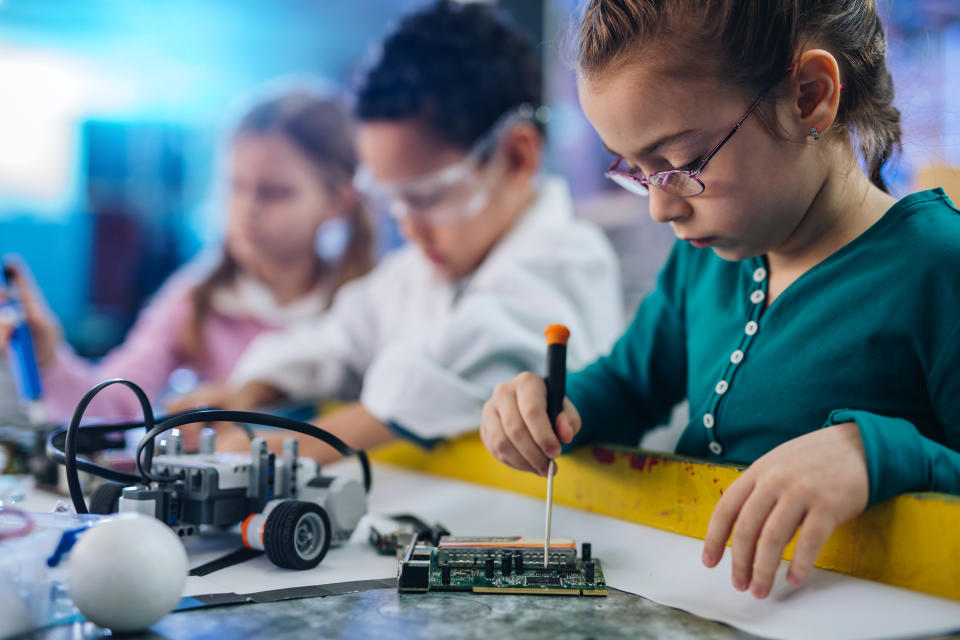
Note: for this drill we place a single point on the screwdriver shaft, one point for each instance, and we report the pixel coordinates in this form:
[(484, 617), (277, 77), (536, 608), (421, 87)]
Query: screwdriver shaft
[(546, 535)]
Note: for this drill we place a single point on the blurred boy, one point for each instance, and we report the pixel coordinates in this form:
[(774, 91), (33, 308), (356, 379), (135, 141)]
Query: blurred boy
[(450, 147)]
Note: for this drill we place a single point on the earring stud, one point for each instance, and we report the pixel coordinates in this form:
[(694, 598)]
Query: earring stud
[(813, 132)]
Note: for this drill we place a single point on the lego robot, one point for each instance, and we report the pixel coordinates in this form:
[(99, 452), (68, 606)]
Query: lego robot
[(285, 506)]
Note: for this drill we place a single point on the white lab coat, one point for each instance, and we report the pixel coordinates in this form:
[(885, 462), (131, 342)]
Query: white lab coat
[(423, 353)]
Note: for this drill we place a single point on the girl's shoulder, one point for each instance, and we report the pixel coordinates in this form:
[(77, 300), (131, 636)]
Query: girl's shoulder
[(173, 301), (166, 311), (928, 213), (926, 226), (915, 255), (179, 285)]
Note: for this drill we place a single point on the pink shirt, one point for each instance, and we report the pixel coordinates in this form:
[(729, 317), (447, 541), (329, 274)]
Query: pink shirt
[(152, 349)]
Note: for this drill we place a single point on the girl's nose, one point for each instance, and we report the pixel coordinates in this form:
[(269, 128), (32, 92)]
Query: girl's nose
[(244, 204), (665, 207)]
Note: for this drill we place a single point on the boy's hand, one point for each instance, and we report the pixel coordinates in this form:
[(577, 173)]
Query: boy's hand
[(815, 482), (516, 429), (44, 328)]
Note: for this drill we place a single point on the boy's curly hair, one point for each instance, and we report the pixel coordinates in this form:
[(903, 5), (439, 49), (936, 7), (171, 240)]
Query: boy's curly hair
[(458, 67)]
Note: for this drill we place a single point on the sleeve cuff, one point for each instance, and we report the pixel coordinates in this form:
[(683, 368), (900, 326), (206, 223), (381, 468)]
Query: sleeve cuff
[(404, 387), (894, 452), (406, 434)]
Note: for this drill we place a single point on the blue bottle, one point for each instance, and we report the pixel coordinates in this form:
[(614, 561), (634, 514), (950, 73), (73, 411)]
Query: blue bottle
[(20, 353)]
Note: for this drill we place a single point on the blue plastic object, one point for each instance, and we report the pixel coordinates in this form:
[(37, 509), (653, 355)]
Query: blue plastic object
[(67, 540), (23, 362)]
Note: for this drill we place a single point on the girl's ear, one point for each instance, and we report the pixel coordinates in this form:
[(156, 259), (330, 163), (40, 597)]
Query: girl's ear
[(817, 92)]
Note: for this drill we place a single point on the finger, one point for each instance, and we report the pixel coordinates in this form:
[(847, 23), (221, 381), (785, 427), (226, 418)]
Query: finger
[(722, 519), (191, 436), (6, 333), (531, 402), (176, 406), (27, 288), (14, 269), (187, 403), (516, 428), (496, 442), (230, 437), (754, 512), (814, 532), (568, 422), (779, 527), (9, 266), (39, 317)]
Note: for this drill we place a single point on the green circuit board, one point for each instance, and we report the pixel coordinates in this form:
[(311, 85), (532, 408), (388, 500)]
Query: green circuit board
[(500, 568)]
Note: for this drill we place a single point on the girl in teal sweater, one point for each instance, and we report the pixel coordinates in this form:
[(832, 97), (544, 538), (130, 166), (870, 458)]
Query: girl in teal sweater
[(811, 320)]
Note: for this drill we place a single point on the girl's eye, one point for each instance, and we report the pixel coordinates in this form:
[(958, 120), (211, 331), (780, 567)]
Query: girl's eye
[(274, 193), (694, 165)]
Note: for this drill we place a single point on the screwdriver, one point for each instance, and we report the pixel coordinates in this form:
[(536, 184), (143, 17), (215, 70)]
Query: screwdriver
[(557, 336)]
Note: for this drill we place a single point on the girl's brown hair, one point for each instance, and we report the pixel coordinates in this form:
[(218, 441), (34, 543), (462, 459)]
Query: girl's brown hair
[(753, 42), (321, 130)]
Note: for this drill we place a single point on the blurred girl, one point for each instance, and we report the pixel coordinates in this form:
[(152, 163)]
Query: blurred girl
[(291, 162)]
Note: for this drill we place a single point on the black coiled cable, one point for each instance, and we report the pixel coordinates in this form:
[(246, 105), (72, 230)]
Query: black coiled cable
[(145, 448)]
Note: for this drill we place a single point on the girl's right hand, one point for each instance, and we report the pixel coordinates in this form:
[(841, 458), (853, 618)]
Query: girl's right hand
[(44, 328), (516, 429)]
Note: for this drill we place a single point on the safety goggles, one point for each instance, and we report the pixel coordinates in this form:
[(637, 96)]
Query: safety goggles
[(450, 195)]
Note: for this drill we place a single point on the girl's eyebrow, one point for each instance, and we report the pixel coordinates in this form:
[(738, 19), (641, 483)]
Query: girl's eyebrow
[(649, 149)]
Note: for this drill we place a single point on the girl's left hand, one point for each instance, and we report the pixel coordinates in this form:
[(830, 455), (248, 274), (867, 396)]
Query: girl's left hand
[(207, 396), (204, 396), (815, 482)]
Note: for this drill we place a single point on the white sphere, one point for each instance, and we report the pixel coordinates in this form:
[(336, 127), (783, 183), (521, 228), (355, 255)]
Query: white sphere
[(127, 573)]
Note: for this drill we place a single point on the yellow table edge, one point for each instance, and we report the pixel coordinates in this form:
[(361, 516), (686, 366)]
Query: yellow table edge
[(910, 541)]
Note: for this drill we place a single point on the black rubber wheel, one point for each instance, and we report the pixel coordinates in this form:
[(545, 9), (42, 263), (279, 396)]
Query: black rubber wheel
[(296, 535), (106, 498)]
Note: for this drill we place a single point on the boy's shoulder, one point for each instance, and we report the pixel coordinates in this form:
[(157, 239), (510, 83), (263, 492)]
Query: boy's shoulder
[(395, 271), (565, 245), (549, 234), (404, 254)]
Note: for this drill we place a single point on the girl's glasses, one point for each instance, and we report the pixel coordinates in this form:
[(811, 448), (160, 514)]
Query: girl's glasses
[(677, 182)]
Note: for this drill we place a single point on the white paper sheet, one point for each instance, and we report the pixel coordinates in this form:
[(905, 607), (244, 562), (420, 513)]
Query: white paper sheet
[(356, 560), (666, 568)]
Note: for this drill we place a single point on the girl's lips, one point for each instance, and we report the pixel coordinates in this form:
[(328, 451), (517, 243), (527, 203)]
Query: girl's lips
[(700, 243)]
